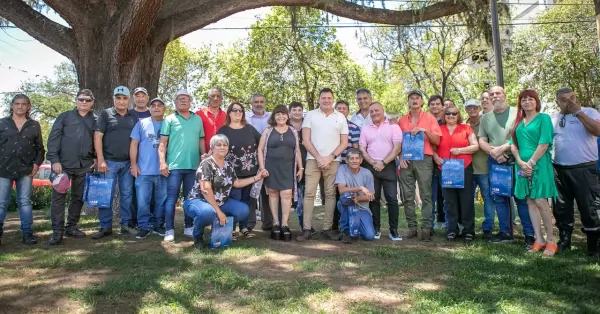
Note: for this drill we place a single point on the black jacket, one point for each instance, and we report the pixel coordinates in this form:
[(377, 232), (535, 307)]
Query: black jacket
[(20, 150), (71, 141)]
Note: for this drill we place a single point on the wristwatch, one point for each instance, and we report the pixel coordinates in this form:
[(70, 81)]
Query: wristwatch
[(384, 163), (335, 156)]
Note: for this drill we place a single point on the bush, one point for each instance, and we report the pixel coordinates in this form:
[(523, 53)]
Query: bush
[(40, 198)]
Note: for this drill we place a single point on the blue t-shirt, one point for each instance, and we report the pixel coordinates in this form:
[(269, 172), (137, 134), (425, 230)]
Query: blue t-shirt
[(147, 133)]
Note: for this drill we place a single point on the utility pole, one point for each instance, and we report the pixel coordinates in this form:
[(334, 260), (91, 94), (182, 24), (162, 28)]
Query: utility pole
[(496, 43)]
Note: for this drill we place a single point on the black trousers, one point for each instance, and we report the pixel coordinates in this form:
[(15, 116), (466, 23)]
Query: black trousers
[(57, 200), (460, 205), (577, 183), (439, 195), (385, 178)]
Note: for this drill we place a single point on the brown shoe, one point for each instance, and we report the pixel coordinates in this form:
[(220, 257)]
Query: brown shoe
[(306, 235), (410, 233), (426, 234)]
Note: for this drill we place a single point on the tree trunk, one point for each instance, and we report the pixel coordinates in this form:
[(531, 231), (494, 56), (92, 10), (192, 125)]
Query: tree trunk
[(597, 11)]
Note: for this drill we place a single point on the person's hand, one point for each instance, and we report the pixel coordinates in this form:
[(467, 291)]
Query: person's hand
[(527, 172), (496, 151), (404, 163), (164, 169), (34, 170), (572, 107), (135, 170), (57, 168), (95, 164), (438, 161), (355, 199), (368, 193), (222, 218), (299, 174), (325, 161), (205, 155), (416, 130), (102, 167), (455, 151), (378, 166), (502, 159)]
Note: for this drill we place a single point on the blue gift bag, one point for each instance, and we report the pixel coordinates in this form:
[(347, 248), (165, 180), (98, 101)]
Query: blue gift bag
[(453, 173), (501, 180), (354, 220), (98, 190), (221, 236), (300, 203), (413, 146)]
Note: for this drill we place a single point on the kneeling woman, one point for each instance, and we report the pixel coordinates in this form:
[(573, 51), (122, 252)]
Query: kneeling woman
[(209, 198)]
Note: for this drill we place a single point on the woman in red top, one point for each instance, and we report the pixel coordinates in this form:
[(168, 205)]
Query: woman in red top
[(458, 141)]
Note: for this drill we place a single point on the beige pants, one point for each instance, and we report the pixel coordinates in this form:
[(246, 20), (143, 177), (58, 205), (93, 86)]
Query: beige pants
[(313, 174)]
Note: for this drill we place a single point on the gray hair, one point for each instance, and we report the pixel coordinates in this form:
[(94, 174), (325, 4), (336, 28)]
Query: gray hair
[(562, 91), (353, 151), (257, 95), (215, 89), (219, 138), (363, 90)]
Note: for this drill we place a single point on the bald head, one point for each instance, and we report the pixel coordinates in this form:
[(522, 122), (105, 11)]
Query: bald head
[(376, 112)]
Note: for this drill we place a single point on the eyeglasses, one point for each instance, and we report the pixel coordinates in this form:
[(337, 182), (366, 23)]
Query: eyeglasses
[(563, 121), (237, 110), (84, 100), (451, 113)]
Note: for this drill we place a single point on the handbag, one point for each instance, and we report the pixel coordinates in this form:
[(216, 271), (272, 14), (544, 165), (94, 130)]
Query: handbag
[(98, 190), (501, 180), (453, 174), (413, 146), (221, 236)]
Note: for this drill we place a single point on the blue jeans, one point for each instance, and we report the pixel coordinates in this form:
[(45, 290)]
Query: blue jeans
[(24, 190), (148, 187), (204, 214), (120, 172), (503, 205), (174, 180), (242, 195), (366, 229), (489, 214)]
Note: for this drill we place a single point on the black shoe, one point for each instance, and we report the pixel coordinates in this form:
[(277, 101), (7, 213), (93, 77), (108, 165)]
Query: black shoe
[(198, 243), (529, 240), (125, 229), (346, 237), (142, 234), (276, 233), (75, 233), (101, 233), (313, 231), (488, 235), (29, 239), (394, 236), (159, 230), (451, 236), (331, 235), (564, 242), (306, 235), (286, 234), (502, 237), (593, 242), (469, 237), (55, 238)]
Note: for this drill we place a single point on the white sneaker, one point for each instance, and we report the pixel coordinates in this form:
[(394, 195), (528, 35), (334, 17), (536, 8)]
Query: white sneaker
[(169, 236), (377, 235), (188, 232)]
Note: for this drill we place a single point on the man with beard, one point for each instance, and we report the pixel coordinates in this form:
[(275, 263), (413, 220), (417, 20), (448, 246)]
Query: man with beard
[(494, 135)]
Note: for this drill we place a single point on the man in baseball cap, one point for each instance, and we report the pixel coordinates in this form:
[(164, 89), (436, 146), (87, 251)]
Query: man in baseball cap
[(140, 102), (121, 90)]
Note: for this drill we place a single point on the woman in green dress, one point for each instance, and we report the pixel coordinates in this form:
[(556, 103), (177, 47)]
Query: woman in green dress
[(530, 144)]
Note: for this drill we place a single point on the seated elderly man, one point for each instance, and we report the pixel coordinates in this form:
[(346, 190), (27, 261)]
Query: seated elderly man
[(356, 183)]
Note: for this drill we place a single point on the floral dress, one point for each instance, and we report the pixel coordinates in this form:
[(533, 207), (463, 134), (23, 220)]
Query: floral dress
[(221, 179)]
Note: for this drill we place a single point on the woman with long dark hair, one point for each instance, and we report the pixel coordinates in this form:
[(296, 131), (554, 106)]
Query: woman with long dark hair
[(531, 144), (243, 145)]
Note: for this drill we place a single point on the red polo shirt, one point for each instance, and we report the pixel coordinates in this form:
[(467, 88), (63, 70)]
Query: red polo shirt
[(211, 124), (426, 121), (458, 139)]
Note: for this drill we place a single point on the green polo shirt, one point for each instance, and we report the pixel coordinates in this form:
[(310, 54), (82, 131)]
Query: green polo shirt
[(480, 158), (183, 150), (497, 126)]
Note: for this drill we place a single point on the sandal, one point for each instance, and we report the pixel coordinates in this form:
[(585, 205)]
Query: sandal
[(451, 236), (245, 232), (234, 236), (537, 246), (551, 249), (276, 232), (286, 234), (469, 237)]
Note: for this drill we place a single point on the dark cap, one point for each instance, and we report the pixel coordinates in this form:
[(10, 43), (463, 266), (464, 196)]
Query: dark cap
[(415, 92), (140, 89), (157, 99)]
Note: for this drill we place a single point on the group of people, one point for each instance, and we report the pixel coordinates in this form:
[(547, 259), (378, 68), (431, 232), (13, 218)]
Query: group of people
[(233, 162)]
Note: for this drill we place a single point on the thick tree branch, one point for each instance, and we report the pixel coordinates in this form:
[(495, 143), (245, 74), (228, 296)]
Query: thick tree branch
[(205, 13), (49, 33), (72, 11)]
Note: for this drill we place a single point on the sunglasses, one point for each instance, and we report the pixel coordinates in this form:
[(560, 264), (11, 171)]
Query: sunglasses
[(451, 113), (237, 110), (84, 100)]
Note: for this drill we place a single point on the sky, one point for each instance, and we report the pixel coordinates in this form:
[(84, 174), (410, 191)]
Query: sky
[(23, 58)]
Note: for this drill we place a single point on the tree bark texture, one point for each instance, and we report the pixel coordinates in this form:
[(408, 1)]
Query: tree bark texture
[(122, 42)]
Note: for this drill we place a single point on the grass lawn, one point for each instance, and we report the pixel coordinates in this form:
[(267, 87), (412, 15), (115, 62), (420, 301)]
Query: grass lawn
[(257, 275)]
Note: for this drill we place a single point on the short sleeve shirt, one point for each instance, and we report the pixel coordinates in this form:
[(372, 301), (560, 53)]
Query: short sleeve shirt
[(364, 178), (183, 150), (259, 123), (211, 124), (573, 144), (458, 139), (143, 114), (243, 146), (353, 137), (497, 127), (379, 140), (147, 133), (325, 131), (116, 129), (426, 121), (480, 158), (221, 180)]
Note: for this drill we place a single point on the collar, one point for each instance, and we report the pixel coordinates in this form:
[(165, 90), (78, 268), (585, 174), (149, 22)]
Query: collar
[(191, 113), (323, 113), (114, 112), (385, 121), (250, 114), (90, 113), (206, 109)]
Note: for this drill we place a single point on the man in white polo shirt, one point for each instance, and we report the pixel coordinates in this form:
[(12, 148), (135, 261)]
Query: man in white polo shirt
[(325, 136), (575, 153)]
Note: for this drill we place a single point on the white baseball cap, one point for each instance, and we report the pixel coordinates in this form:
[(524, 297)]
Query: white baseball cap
[(183, 92), (471, 103)]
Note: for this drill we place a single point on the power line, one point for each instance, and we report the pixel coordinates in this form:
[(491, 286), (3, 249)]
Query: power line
[(20, 70)]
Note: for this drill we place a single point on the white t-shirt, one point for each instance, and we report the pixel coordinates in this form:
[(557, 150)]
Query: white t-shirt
[(325, 131), (573, 144)]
